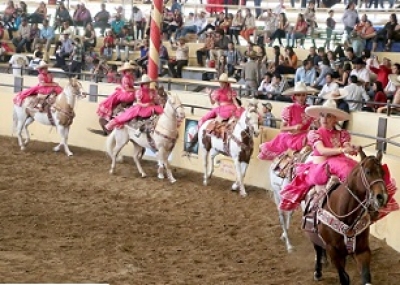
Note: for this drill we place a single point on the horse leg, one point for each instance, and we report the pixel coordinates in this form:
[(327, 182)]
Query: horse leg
[(21, 119), (121, 138), (160, 158), (28, 121), (163, 157), (205, 166), (137, 155), (363, 261), (340, 263), (241, 168), (318, 262), (213, 154), (63, 131)]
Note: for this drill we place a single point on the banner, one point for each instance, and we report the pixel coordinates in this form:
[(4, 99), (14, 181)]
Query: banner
[(190, 132)]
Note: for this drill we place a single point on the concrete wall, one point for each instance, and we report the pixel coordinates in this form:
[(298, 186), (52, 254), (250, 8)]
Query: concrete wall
[(257, 175)]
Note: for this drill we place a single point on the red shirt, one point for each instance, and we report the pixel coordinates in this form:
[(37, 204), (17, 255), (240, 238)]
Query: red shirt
[(382, 74), (381, 98)]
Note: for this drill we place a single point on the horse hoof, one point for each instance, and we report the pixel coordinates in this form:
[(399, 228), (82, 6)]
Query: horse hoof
[(70, 154), (160, 176), (112, 171), (235, 187), (317, 276), (56, 149), (283, 237), (205, 183), (243, 195), (120, 159), (144, 175), (290, 249), (173, 180), (23, 148)]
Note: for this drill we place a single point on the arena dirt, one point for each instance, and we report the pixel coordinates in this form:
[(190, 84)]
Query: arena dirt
[(67, 220)]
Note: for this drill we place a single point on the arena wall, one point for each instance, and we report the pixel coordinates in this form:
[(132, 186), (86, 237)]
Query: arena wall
[(257, 175)]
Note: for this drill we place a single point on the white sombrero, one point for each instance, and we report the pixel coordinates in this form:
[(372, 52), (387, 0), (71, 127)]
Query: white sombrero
[(42, 64), (395, 79), (145, 79), (126, 66), (225, 79), (336, 94), (329, 107), (300, 88)]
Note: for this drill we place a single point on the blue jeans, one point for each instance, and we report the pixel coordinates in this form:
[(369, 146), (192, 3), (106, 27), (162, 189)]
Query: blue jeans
[(295, 36), (186, 30), (257, 4)]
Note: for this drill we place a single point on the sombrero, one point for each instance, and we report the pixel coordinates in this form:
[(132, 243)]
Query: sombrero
[(146, 79), (300, 88), (329, 107), (252, 54), (336, 94), (42, 64), (126, 66), (225, 79), (267, 105), (395, 79)]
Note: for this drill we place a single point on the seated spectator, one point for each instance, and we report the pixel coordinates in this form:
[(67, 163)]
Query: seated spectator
[(82, 16), (23, 37), (357, 93), (344, 74), (172, 27), (268, 119), (144, 54), (164, 58), (289, 63), (62, 15), (189, 26), (306, 73), (249, 25), (281, 31), (220, 45), (270, 24), (34, 34), (101, 19), (112, 75), (221, 66), (46, 36), (381, 70), (89, 37), (323, 69), (40, 14), (361, 72), (205, 50), (13, 23), (182, 58), (362, 37), (117, 25), (390, 88), (379, 97), (226, 24), (75, 67), (329, 86), (18, 62), (299, 32), (106, 50), (388, 34), (89, 56), (236, 26), (38, 57), (215, 25), (67, 29), (233, 58), (99, 70), (65, 51), (125, 41)]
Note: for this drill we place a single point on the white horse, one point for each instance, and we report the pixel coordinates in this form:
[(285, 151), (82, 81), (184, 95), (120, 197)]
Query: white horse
[(162, 140), (239, 146), (277, 184), (61, 115)]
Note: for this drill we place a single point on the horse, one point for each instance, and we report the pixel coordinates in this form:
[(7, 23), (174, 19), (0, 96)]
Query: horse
[(238, 145), (344, 214), (59, 114), (281, 174), (160, 139)]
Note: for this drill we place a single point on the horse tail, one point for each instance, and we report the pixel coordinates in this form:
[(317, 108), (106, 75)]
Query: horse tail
[(110, 143)]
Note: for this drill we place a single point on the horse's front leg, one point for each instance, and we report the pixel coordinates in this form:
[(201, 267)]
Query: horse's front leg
[(20, 126), (363, 261), (213, 154), (240, 168), (205, 166), (318, 262), (339, 260), (163, 158), (28, 121), (65, 142)]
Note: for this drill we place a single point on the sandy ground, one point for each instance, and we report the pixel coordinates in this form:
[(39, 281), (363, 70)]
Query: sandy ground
[(67, 220)]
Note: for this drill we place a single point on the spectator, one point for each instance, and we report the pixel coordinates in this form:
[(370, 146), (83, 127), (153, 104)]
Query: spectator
[(236, 26), (310, 17), (13, 24), (329, 86), (350, 18), (390, 88), (164, 58), (251, 73), (220, 45), (76, 56), (205, 50), (361, 72), (233, 58), (381, 70), (182, 58), (38, 57), (18, 62), (108, 44), (268, 118), (189, 26), (62, 15), (67, 29), (299, 32), (117, 25), (65, 51), (125, 41), (355, 92), (23, 37), (99, 70), (289, 63), (213, 26), (249, 25), (306, 73), (324, 69), (101, 19), (40, 14), (176, 6), (270, 24), (221, 66), (46, 36), (363, 37), (379, 97), (89, 37), (82, 16), (387, 34), (139, 21), (344, 74), (330, 26)]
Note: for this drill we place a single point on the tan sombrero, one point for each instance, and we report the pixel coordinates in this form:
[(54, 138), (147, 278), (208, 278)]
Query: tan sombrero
[(252, 54), (225, 79), (42, 64), (336, 94), (146, 79), (126, 66), (300, 88), (329, 107), (395, 79)]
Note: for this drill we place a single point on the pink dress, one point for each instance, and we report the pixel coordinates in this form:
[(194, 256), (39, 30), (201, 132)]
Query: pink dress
[(292, 115), (310, 174), (226, 108), (144, 95), (215, 9), (38, 89), (107, 106)]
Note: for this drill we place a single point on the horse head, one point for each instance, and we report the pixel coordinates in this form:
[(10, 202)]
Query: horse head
[(175, 104), (371, 173), (251, 118), (71, 92)]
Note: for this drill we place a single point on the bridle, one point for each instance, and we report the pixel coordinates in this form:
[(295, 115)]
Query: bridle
[(249, 130), (175, 108)]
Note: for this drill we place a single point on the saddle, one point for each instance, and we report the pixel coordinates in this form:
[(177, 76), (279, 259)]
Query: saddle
[(284, 165), (144, 124), (221, 129), (315, 200), (119, 109), (41, 103)]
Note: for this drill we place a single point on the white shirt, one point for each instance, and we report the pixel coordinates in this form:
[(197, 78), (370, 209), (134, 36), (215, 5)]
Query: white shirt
[(357, 93), (18, 61), (279, 9), (328, 88), (138, 16), (362, 74)]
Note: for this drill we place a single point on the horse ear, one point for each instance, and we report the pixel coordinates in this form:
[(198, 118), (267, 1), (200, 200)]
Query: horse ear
[(379, 156), (362, 153)]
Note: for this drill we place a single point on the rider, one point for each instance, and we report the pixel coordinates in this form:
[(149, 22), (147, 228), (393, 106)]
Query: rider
[(225, 97), (145, 105), (295, 125), (46, 85), (124, 94), (330, 147)]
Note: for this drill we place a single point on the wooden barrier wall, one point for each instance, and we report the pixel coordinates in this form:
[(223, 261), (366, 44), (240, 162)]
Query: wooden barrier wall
[(257, 175)]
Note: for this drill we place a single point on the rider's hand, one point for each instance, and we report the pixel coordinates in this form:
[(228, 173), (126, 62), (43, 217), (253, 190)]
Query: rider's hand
[(208, 91)]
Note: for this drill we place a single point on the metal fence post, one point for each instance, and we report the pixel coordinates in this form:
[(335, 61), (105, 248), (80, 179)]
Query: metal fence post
[(18, 84), (93, 91), (382, 132)]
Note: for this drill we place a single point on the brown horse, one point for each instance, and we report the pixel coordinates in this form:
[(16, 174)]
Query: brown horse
[(344, 216)]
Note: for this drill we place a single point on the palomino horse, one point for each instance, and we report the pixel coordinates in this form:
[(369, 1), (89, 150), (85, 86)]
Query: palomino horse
[(161, 139), (239, 146), (344, 215), (281, 173), (59, 114)]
